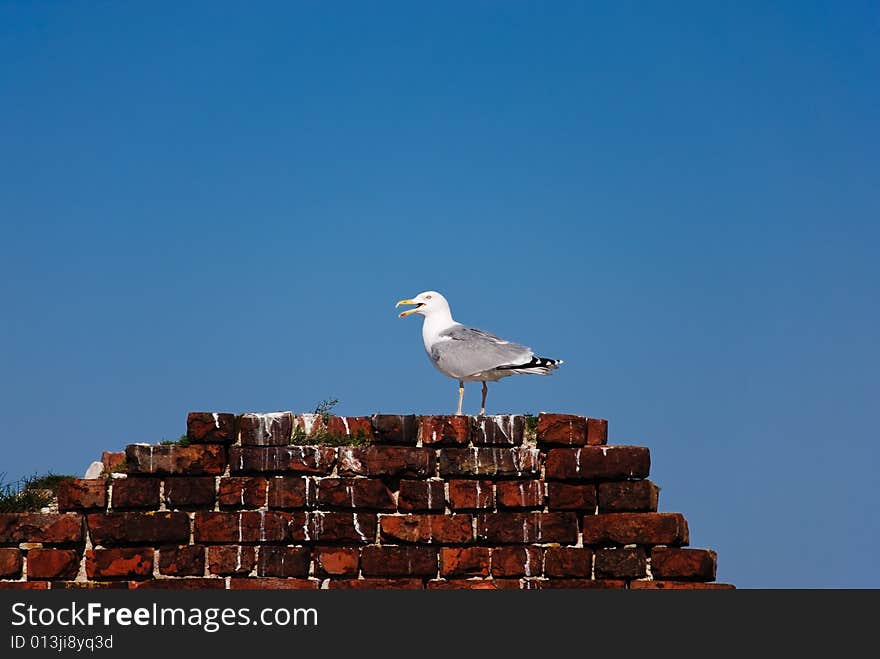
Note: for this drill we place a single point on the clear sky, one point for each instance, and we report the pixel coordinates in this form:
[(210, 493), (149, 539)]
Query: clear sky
[(214, 206)]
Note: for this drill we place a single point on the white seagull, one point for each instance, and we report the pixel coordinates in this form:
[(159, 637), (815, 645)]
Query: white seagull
[(469, 354)]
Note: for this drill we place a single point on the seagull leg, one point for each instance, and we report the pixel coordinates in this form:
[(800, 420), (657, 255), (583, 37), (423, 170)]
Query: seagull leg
[(460, 396), (483, 404)]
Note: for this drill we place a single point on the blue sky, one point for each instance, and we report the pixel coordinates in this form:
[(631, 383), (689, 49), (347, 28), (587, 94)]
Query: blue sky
[(214, 206)]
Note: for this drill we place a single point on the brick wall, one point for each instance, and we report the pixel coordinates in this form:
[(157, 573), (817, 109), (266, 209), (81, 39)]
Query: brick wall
[(431, 502)]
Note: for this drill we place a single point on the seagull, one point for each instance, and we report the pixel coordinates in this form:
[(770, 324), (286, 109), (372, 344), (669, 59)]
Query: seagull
[(469, 354)]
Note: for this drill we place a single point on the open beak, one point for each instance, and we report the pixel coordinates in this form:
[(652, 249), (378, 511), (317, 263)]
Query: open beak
[(404, 314)]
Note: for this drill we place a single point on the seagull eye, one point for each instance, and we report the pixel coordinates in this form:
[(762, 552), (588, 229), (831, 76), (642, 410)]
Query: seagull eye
[(427, 297)]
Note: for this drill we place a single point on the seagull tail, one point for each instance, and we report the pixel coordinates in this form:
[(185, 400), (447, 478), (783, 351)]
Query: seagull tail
[(536, 366)]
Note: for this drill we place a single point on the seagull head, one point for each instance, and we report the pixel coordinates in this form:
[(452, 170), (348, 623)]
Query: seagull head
[(426, 303)]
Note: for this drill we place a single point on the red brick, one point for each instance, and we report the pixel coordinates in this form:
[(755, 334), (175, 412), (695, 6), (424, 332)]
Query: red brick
[(598, 463), (635, 528), (182, 560), (308, 425), (683, 564), (273, 583), (298, 526), (489, 462), (583, 584), (526, 528), (498, 430), (358, 427), (295, 459), (138, 528), (355, 493), (179, 584), (337, 561), (41, 527), (471, 494), (245, 526), (375, 584), (134, 493), (566, 496), (568, 562), (620, 563), (226, 560), (516, 561), (403, 461), (437, 430), (52, 564), (565, 429), (194, 460), (395, 429), (520, 494), (273, 429), (284, 562), (421, 496), (342, 527), (291, 492), (24, 585), (10, 563), (597, 432), (389, 561), (679, 585), (628, 496), (89, 585), (436, 529), (464, 561), (210, 428), (82, 494), (189, 493), (129, 562), (463, 584), (113, 461), (241, 492)]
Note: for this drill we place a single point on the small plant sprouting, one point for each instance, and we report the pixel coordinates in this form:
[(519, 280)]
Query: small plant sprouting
[(323, 408), (183, 440), (531, 427), (324, 438), (29, 494)]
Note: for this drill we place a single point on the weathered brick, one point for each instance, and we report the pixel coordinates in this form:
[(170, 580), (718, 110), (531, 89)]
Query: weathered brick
[(113, 461), (421, 496), (635, 528), (683, 564), (522, 561), (566, 496), (390, 561), (462, 584), (393, 461), (295, 459), (241, 492), (308, 425), (355, 493), (89, 585), (272, 429), (284, 562), (182, 560), (273, 583), (444, 430), (24, 585), (179, 584), (395, 428), (342, 527), (582, 584), (471, 494), (135, 493), (189, 493), (598, 463), (337, 561), (110, 529), (210, 428), (225, 560), (486, 461), (10, 563), (565, 429), (244, 526), (436, 529), (597, 432), (568, 562), (498, 430), (298, 525), (375, 584), (41, 527), (679, 585), (525, 528), (620, 563), (291, 492), (464, 561), (52, 564), (130, 562), (82, 494), (628, 496), (194, 460), (358, 427), (520, 494)]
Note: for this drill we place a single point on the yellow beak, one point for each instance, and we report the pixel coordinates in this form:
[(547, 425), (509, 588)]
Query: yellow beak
[(404, 314)]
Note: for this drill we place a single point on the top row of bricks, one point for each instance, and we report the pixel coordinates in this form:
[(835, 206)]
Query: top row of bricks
[(283, 428)]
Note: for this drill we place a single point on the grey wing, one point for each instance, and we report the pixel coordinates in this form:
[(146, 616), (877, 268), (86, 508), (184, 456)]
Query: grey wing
[(464, 351)]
